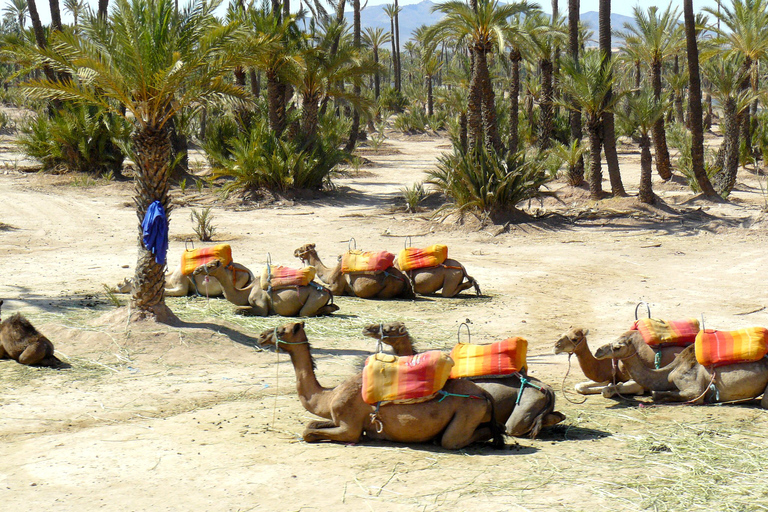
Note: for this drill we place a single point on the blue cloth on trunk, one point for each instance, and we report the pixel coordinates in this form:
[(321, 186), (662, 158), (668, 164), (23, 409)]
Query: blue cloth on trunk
[(155, 228)]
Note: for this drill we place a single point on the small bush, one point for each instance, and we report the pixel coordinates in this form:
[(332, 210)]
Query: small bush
[(680, 138), (392, 100), (203, 224), (412, 121), (76, 138), (413, 195)]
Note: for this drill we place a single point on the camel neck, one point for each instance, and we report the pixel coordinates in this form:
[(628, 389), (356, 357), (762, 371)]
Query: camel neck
[(234, 295), (312, 395), (323, 272), (645, 376), (594, 369)]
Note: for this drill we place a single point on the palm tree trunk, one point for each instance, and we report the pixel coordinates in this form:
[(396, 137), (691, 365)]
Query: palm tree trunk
[(275, 103), (609, 130), (575, 172), (678, 93), (309, 115), (646, 170), (152, 151), (396, 37), (394, 52), (55, 14), (514, 100), (255, 82), (663, 165), (488, 102), (694, 99), (353, 132), (103, 5), (376, 77), (545, 107), (430, 98), (595, 173), (463, 131), (475, 107), (725, 179)]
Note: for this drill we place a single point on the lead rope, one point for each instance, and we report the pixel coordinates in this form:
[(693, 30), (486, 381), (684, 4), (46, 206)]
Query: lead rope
[(562, 386), (277, 378)]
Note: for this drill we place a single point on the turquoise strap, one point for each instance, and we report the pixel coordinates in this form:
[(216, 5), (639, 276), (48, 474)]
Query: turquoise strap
[(447, 394), (523, 381), (657, 359)]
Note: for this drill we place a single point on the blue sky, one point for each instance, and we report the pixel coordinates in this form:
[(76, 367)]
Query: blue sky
[(621, 7)]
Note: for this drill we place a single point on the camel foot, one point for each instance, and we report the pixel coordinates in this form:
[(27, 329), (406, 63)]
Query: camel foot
[(590, 387), (553, 418), (327, 310)]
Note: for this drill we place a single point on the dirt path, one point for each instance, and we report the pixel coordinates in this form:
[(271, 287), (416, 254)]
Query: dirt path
[(195, 418)]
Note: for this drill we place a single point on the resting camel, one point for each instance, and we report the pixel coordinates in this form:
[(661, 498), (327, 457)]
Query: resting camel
[(454, 421), (368, 285), (606, 376), (20, 341), (537, 403), (294, 301), (449, 276), (685, 380), (179, 285)]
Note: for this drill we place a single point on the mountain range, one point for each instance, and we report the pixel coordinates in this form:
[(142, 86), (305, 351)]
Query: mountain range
[(414, 15)]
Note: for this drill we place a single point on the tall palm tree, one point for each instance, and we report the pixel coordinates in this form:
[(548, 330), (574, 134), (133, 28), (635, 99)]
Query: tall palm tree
[(18, 10), (375, 38), (483, 30), (545, 36), (392, 11), (575, 172), (587, 84), (147, 63), (745, 33), (357, 43), (642, 114), (76, 8), (609, 131), (694, 99), (651, 35)]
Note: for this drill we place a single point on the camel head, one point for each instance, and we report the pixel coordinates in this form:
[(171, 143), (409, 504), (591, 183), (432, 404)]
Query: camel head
[(286, 337), (570, 339), (304, 252), (384, 331), (208, 268), (622, 348)]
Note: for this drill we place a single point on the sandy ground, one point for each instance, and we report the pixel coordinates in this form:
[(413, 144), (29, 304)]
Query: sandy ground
[(196, 417)]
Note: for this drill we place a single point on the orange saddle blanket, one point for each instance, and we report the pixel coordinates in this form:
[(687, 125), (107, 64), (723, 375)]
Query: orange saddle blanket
[(500, 358), (359, 261), (413, 258), (190, 260), (387, 377), (660, 333), (278, 276), (717, 348)]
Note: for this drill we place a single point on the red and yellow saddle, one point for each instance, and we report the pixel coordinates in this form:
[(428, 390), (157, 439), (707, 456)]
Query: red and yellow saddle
[(500, 358), (190, 260), (389, 378), (278, 276), (717, 348), (660, 333), (359, 261), (413, 258)]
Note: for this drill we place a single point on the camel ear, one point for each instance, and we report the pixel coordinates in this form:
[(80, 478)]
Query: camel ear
[(298, 326), (311, 246)]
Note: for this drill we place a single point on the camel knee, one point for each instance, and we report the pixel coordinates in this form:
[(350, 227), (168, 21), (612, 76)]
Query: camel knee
[(590, 387), (33, 354)]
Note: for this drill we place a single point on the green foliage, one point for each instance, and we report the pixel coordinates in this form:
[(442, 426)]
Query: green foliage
[(203, 224), (260, 159), (413, 195), (414, 120), (76, 138), (567, 155), (486, 182), (392, 100), (680, 138)]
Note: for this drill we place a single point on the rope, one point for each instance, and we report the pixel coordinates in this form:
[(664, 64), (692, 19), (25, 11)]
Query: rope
[(562, 386), (446, 394), (523, 382)]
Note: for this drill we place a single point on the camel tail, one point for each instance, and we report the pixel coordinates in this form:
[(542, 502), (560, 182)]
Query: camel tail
[(498, 431), (477, 286), (538, 421)]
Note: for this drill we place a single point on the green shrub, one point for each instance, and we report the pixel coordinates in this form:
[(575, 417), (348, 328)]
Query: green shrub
[(412, 121), (680, 138), (486, 182), (76, 138), (392, 100)]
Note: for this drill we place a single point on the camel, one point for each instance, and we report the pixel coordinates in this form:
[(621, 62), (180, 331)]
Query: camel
[(606, 376), (380, 285), (537, 402), (179, 285), (685, 380), (294, 301), (454, 421), (448, 276), (20, 341)]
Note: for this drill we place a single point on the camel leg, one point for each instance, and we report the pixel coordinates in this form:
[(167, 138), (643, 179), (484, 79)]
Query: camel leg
[(685, 395), (316, 301), (453, 284), (3, 353), (590, 387), (176, 284), (344, 433), (33, 354), (623, 388), (553, 418), (320, 424), (463, 429), (764, 401)]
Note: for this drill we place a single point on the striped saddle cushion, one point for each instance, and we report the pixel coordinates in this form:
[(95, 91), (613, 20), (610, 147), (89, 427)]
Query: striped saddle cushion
[(190, 260), (359, 261), (500, 358), (387, 377), (278, 276), (716, 348), (660, 333), (413, 258)]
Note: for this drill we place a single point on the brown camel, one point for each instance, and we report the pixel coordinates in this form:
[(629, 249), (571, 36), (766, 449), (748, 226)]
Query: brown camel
[(455, 421), (537, 403), (449, 276), (366, 285), (179, 285), (20, 341), (606, 376), (685, 380), (295, 301)]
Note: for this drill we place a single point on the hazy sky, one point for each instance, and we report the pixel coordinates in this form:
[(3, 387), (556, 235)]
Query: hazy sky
[(621, 7)]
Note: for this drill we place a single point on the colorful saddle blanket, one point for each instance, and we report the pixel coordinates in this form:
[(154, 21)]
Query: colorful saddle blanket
[(387, 377), (359, 261), (190, 260), (413, 258), (717, 348), (660, 333), (278, 276), (500, 358)]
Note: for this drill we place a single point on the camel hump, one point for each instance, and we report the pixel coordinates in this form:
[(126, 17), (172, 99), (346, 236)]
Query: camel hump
[(20, 325)]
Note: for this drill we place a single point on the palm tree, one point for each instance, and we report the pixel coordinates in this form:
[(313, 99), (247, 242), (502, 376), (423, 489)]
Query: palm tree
[(643, 112), (147, 63), (588, 86), (75, 8), (575, 172), (357, 43), (609, 131), (375, 38), (18, 11), (483, 29), (652, 36), (745, 33), (429, 62), (694, 99), (392, 11)]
